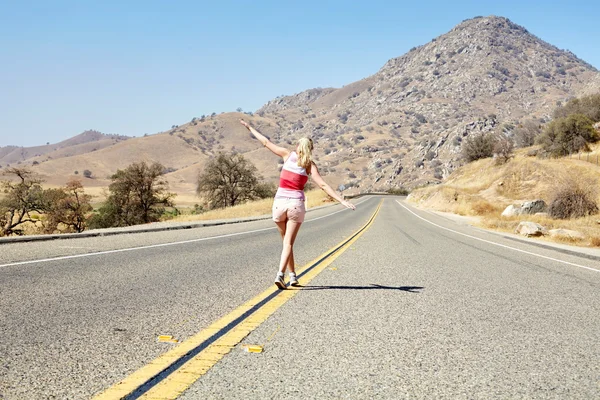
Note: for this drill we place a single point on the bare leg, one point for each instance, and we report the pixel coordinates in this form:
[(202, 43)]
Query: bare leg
[(287, 253), (281, 227)]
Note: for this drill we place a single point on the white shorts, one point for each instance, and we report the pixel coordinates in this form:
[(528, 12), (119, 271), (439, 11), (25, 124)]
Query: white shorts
[(289, 209)]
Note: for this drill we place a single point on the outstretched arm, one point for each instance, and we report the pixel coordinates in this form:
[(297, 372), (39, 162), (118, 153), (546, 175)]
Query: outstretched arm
[(280, 151), (314, 172)]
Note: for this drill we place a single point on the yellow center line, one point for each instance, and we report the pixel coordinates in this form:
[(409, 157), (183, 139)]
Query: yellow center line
[(169, 375)]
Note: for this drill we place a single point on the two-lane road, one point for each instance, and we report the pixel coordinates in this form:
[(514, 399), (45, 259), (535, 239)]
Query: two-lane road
[(417, 307)]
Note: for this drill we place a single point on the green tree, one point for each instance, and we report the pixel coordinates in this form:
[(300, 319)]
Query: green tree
[(230, 179), (568, 135), (22, 197), (138, 195)]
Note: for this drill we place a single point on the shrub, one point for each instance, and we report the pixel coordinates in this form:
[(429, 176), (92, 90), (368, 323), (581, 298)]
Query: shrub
[(588, 106), (503, 149), (399, 191), (476, 147), (87, 173), (526, 133), (568, 135), (483, 207), (573, 199)]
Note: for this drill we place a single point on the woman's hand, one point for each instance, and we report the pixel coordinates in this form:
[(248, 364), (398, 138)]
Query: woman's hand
[(349, 205), (247, 125)]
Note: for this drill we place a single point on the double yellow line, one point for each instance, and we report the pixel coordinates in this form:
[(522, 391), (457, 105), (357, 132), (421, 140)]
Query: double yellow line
[(168, 376)]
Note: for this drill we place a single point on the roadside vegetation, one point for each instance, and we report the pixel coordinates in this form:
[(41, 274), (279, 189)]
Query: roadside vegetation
[(228, 187), (25, 203), (557, 163)]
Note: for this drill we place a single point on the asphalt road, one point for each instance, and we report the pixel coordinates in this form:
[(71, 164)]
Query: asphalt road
[(411, 310)]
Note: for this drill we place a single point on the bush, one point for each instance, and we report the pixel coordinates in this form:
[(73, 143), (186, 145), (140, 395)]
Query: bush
[(568, 135), (398, 191), (483, 207), (574, 199), (87, 173), (526, 133), (503, 149), (476, 147), (588, 106)]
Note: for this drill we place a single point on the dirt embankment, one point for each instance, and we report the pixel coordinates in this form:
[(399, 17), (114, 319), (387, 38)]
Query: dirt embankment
[(485, 188)]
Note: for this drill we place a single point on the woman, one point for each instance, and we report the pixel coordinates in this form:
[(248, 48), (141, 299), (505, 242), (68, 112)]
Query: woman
[(288, 207)]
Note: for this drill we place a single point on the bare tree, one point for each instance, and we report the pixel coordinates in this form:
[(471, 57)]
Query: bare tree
[(21, 199)]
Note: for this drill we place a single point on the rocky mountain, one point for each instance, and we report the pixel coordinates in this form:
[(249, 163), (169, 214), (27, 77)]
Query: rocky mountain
[(402, 126)]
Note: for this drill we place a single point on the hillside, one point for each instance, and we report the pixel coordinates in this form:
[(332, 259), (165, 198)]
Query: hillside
[(483, 188), (402, 126)]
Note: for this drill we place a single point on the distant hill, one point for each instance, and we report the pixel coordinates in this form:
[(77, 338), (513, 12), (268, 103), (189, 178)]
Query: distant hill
[(402, 126), (85, 142)]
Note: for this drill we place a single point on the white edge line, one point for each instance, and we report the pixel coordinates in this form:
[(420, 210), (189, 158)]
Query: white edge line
[(497, 244), (98, 253)]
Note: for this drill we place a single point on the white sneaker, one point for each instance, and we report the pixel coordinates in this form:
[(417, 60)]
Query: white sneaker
[(279, 282), (294, 280)]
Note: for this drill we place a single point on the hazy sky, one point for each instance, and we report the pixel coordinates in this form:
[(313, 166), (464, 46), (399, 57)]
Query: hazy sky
[(136, 67)]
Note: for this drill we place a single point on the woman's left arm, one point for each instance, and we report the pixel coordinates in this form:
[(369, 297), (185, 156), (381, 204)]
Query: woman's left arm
[(314, 172)]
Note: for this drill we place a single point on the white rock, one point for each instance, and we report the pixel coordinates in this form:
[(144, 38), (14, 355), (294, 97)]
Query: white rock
[(511, 211), (566, 233), (528, 229)]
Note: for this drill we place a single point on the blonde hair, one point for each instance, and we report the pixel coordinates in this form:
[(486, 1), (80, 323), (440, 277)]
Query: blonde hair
[(305, 147)]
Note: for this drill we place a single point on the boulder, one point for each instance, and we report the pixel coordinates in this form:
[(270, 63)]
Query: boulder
[(566, 233), (529, 229), (511, 211), (532, 207)]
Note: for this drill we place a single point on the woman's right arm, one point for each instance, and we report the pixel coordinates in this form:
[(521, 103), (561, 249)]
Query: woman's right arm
[(314, 172), (280, 151)]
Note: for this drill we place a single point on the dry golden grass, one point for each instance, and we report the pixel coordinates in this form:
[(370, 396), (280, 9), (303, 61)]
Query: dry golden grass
[(314, 198), (484, 189)]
